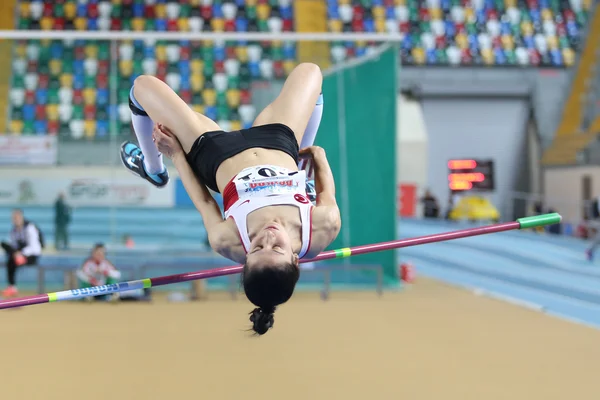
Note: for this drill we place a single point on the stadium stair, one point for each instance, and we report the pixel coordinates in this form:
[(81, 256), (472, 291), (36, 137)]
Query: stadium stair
[(7, 13), (569, 138)]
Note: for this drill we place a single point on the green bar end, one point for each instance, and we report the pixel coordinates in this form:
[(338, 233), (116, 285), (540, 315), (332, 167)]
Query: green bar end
[(539, 220)]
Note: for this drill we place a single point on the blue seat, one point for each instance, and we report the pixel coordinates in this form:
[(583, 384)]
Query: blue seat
[(78, 81), (217, 11), (78, 68), (289, 51), (56, 51), (286, 12), (28, 112), (211, 112), (41, 127), (160, 25), (138, 10), (41, 96), (102, 128), (92, 24), (102, 96), (332, 11), (254, 69), (369, 25), (241, 24), (220, 53)]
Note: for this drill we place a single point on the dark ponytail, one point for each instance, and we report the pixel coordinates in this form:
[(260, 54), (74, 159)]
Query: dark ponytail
[(266, 288)]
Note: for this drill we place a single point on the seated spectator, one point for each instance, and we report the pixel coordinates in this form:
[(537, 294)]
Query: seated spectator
[(25, 247), (97, 270)]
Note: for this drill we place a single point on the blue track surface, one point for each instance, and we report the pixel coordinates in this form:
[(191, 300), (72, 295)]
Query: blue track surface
[(545, 272)]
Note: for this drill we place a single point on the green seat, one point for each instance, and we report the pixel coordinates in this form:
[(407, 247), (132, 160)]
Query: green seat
[(441, 56), (44, 55), (59, 10), (185, 10), (197, 99), (223, 113), (54, 83), (206, 54), (367, 4), (233, 82), (471, 28), (245, 85), (276, 53), (101, 114), (28, 128), (53, 96), (116, 11), (581, 17), (67, 68), (511, 57), (263, 26), (209, 69), (90, 81), (77, 112), (123, 96), (18, 82), (149, 25), (68, 56), (126, 25), (43, 69), (17, 113), (172, 69), (221, 99), (125, 83), (24, 24), (138, 68), (251, 12)]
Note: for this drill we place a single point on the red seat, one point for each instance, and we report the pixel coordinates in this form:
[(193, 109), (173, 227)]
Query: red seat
[(103, 67), (186, 95), (115, 24), (59, 24), (359, 12), (32, 66), (230, 52), (161, 68), (102, 81), (172, 25), (288, 25), (185, 53), (77, 97), (229, 25), (245, 97), (79, 53), (278, 69), (465, 56), (424, 14), (40, 112), (89, 111), (206, 12), (219, 67), (29, 97), (48, 10), (93, 10), (149, 11), (53, 127), (43, 81)]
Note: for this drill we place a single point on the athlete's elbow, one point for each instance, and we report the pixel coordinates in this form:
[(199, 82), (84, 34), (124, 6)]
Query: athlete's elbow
[(145, 82)]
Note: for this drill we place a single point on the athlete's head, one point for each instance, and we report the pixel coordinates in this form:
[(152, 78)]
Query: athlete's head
[(99, 252), (270, 274), (18, 219)]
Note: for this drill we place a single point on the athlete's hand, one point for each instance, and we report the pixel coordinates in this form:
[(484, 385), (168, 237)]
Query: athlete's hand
[(312, 152), (166, 142)]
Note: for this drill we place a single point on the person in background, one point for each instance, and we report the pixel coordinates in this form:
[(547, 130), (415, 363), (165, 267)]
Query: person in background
[(24, 248), (97, 270), (430, 204), (62, 218)]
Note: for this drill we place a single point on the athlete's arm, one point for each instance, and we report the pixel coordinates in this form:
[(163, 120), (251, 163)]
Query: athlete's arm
[(199, 194), (324, 183)]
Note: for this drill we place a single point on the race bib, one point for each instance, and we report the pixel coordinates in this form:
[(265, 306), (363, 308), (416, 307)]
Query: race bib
[(268, 180)]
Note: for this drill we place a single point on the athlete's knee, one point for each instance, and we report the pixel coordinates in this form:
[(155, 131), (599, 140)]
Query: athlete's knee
[(144, 82), (311, 70)]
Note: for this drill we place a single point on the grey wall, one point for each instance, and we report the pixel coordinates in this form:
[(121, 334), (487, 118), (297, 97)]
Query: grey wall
[(545, 88), (471, 128)]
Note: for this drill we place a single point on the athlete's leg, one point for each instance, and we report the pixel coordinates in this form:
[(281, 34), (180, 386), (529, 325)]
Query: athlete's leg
[(296, 102), (151, 100), (310, 133), (163, 106)]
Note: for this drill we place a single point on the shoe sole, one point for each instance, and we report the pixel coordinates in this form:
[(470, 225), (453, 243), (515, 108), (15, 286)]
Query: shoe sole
[(124, 163)]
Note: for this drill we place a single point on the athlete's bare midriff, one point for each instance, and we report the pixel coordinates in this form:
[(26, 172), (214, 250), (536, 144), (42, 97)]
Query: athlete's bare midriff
[(249, 158)]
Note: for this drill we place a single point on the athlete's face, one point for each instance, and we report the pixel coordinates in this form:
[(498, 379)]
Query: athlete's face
[(271, 246)]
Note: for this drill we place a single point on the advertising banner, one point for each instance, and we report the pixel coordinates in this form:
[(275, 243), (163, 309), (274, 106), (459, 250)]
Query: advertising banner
[(90, 192), (28, 150)]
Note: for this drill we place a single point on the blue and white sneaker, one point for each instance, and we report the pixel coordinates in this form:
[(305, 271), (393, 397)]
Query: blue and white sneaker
[(133, 159)]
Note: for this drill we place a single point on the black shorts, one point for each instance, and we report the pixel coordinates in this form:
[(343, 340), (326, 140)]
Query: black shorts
[(212, 148)]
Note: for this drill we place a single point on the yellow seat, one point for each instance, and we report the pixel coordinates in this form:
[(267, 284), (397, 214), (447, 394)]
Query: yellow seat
[(435, 13), (196, 66), (137, 24), (195, 3), (242, 53), (160, 11), (66, 80), (233, 98), (378, 12), (52, 112), (335, 25), (510, 3), (400, 2), (488, 56), (343, 2), (380, 25), (507, 42), (197, 82), (217, 24), (16, 126), (116, 2), (263, 11), (21, 50), (126, 67), (418, 55), (552, 42), (235, 125), (24, 9), (89, 128), (462, 41), (47, 23), (55, 67), (91, 51), (198, 108), (161, 53), (547, 14), (89, 96), (469, 14), (70, 10), (183, 24), (80, 23), (288, 66), (209, 96), (527, 28), (568, 56), (250, 3)]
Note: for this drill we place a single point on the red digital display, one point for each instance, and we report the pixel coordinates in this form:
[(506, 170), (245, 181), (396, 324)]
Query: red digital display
[(468, 174)]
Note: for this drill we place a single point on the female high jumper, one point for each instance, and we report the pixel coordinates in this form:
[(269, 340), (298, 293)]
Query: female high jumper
[(269, 222)]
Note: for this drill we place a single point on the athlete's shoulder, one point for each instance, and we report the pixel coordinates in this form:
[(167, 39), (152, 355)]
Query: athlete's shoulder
[(225, 240)]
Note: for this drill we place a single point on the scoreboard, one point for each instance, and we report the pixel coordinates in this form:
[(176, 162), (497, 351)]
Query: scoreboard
[(466, 175)]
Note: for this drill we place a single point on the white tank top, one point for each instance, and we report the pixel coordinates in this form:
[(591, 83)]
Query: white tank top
[(267, 185)]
